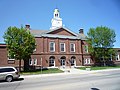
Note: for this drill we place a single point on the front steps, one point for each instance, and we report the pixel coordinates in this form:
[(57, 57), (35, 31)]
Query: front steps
[(68, 69)]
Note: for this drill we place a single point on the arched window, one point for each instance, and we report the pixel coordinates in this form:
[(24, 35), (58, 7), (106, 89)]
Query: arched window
[(52, 61), (56, 15), (72, 61)]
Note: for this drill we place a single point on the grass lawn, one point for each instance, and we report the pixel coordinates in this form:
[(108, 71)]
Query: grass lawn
[(99, 68), (48, 71)]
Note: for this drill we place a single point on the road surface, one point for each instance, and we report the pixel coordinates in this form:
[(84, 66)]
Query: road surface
[(106, 80)]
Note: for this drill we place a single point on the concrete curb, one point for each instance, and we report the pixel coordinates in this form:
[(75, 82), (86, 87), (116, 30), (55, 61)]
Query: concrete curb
[(66, 73), (42, 75)]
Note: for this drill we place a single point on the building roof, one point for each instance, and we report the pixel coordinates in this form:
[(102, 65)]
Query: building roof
[(36, 32), (2, 45), (45, 33), (82, 36)]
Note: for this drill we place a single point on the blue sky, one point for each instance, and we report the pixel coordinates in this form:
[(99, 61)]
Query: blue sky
[(76, 14)]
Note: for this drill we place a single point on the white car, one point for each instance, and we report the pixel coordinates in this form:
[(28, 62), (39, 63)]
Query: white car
[(9, 73)]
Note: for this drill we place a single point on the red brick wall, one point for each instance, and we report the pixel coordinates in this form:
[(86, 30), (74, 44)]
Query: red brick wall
[(3, 56), (42, 51), (4, 59)]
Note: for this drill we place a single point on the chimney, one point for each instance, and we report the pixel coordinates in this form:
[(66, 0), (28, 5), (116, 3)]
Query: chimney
[(81, 31), (27, 26)]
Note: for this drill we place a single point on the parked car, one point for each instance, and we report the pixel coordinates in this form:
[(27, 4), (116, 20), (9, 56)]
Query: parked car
[(9, 73)]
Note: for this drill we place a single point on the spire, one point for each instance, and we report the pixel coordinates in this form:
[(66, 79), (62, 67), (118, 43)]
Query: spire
[(56, 20), (56, 13)]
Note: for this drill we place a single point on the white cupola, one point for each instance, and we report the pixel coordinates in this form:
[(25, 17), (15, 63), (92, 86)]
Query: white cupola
[(56, 20), (56, 13)]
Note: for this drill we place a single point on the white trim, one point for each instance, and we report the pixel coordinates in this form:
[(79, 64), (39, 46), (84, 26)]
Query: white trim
[(111, 57), (87, 61), (30, 61), (73, 47), (118, 57), (64, 47), (52, 46), (63, 62), (86, 48), (35, 50), (10, 58), (53, 60), (35, 61), (73, 60)]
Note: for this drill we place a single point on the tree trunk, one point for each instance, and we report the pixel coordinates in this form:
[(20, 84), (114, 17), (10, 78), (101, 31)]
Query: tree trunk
[(26, 64), (20, 65), (104, 58)]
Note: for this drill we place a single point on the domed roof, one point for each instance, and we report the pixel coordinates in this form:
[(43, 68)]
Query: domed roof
[(56, 10)]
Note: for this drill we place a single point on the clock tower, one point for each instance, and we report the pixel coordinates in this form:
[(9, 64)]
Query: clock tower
[(56, 20)]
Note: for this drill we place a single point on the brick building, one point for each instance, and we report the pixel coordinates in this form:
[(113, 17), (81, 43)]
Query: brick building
[(57, 47), (60, 47)]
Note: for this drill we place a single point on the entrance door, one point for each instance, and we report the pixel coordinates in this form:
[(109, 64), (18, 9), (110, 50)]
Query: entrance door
[(52, 61), (73, 61), (62, 62)]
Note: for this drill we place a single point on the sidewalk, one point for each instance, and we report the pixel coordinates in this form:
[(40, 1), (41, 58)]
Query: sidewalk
[(68, 72)]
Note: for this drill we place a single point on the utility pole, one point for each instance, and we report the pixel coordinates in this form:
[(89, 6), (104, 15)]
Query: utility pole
[(41, 65)]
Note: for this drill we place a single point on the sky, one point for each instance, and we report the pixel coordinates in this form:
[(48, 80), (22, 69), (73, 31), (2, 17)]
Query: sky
[(75, 14)]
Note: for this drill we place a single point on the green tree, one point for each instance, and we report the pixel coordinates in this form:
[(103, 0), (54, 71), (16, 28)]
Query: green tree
[(101, 41), (20, 44)]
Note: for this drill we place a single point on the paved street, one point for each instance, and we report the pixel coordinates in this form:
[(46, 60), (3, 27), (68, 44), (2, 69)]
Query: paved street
[(101, 80)]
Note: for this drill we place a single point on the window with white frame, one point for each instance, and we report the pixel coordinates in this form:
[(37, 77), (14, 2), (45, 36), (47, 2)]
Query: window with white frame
[(35, 47), (72, 47), (35, 50), (35, 61), (118, 57), (52, 46), (62, 47), (30, 62), (87, 61), (11, 57), (86, 48), (51, 61), (110, 58)]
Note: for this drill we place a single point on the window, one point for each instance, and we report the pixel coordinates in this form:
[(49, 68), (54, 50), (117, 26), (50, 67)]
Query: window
[(11, 57), (30, 62), (52, 61), (72, 47), (35, 47), (86, 48), (35, 61), (52, 46), (87, 61), (110, 58), (117, 57), (35, 50), (56, 15), (63, 61), (6, 70), (72, 61), (62, 47)]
